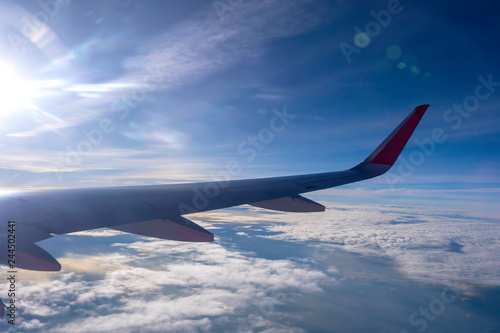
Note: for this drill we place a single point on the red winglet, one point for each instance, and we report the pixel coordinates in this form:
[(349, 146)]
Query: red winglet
[(388, 151)]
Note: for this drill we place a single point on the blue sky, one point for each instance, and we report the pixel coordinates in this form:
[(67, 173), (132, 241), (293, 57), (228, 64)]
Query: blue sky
[(179, 88), (110, 93)]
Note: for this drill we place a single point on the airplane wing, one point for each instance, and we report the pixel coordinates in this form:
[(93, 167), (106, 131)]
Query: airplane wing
[(159, 210)]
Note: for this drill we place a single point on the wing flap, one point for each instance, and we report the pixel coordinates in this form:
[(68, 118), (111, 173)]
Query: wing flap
[(297, 204), (176, 228), (33, 257)]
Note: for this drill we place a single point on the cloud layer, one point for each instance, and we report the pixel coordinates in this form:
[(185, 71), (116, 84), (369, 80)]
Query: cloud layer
[(113, 281), (158, 286), (432, 245)]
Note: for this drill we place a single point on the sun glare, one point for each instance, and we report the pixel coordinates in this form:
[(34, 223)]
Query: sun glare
[(15, 93)]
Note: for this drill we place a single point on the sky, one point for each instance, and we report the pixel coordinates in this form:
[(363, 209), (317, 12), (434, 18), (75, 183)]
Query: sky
[(111, 93), (146, 92)]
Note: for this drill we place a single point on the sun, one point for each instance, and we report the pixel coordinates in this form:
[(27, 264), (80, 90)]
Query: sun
[(15, 93)]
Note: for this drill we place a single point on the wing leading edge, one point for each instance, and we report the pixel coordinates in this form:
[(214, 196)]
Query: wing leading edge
[(157, 211)]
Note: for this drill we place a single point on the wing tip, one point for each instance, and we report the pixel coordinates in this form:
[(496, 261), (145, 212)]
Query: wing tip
[(422, 108), (389, 150)]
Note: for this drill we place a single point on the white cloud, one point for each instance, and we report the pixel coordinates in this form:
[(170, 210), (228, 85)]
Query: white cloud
[(31, 324), (433, 245), (98, 233), (159, 286)]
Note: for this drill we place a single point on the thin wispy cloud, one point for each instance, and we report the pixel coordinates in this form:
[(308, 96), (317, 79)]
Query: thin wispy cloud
[(190, 51)]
